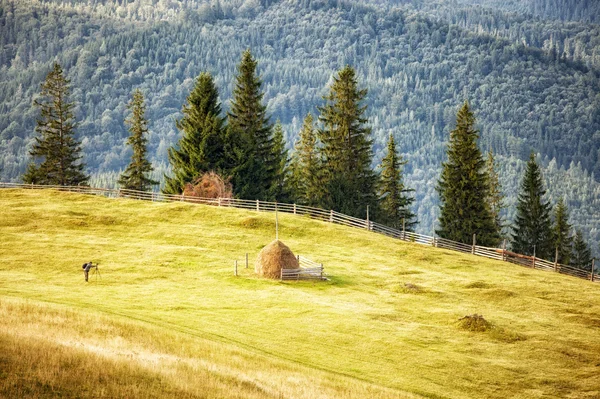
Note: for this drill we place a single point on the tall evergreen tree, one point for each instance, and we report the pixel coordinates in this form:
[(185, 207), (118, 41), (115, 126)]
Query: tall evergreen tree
[(56, 145), (495, 197), (349, 181), (582, 256), (394, 203), (532, 229), (250, 136), (135, 176), (562, 233), (463, 187), (201, 147), (305, 166), (280, 189)]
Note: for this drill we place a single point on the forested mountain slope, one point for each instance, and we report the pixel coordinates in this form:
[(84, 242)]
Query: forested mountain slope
[(419, 64)]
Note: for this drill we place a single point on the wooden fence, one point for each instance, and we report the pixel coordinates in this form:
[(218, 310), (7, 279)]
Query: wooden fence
[(332, 217)]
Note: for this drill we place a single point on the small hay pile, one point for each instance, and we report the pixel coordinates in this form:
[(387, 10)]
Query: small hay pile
[(273, 258), (475, 323)]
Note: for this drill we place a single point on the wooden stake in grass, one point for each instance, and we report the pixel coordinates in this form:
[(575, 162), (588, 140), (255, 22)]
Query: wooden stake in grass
[(235, 273)]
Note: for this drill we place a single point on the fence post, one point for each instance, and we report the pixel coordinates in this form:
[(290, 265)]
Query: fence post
[(235, 268), (294, 209), (246, 260), (556, 259), (368, 218), (219, 201), (119, 193), (403, 230), (474, 242), (331, 216), (533, 260), (321, 271), (257, 206), (433, 238), (504, 250), (593, 264)]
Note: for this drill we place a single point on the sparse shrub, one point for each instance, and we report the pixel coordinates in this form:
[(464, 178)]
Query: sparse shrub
[(209, 185)]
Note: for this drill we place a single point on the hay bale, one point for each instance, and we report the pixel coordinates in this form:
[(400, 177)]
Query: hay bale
[(273, 258)]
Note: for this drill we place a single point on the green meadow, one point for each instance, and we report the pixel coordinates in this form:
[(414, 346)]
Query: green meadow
[(168, 318)]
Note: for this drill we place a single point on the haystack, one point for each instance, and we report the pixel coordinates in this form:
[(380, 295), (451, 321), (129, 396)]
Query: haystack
[(273, 258)]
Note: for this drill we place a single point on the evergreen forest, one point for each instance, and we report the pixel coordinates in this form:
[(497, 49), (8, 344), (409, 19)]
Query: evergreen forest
[(530, 71)]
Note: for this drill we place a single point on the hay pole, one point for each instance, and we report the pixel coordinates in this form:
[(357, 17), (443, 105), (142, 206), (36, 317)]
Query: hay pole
[(235, 273), (276, 224), (246, 260)]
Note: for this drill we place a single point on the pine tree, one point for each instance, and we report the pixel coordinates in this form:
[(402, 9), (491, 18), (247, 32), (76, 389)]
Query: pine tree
[(394, 202), (495, 197), (532, 230), (201, 147), (250, 137), (280, 189), (56, 144), (349, 181), (562, 233), (463, 187), (306, 172), (582, 256), (135, 176)]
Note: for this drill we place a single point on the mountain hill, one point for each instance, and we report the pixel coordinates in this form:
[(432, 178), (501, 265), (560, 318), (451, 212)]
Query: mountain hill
[(166, 317), (532, 80)]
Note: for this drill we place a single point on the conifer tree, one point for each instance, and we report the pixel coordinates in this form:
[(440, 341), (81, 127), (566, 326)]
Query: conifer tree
[(349, 182), (56, 144), (305, 166), (463, 187), (495, 197), (280, 188), (201, 147), (532, 229), (394, 202), (250, 137), (135, 176), (582, 256), (562, 233)]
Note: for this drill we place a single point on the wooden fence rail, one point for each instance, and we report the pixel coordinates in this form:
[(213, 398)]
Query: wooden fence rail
[(332, 217)]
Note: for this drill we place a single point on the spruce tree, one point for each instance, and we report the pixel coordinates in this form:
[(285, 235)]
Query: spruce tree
[(495, 197), (280, 188), (562, 233), (201, 147), (135, 176), (394, 203), (582, 256), (349, 182), (464, 189), (305, 166), (56, 145), (532, 229), (250, 137)]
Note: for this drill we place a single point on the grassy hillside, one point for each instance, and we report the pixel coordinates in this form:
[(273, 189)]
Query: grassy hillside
[(169, 319)]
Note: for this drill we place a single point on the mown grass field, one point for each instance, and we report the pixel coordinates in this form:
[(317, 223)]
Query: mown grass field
[(169, 319)]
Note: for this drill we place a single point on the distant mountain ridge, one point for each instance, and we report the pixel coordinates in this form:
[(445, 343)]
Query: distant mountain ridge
[(533, 84)]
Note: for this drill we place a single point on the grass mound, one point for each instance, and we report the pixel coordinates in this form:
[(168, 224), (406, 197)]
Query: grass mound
[(478, 284), (474, 323)]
